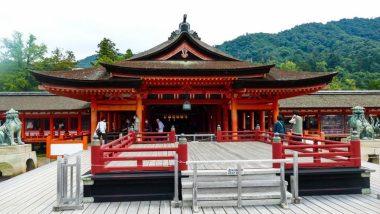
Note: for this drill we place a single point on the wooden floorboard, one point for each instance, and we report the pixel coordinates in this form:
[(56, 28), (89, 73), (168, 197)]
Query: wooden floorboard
[(35, 191)]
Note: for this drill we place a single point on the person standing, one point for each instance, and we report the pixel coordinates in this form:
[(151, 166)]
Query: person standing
[(279, 126), (161, 126), (297, 124), (136, 123), (147, 126), (101, 129)]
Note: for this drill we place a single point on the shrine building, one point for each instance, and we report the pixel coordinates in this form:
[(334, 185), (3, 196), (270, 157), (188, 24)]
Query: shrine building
[(186, 83)]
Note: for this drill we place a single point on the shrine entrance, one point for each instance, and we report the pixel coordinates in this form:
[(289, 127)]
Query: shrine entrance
[(200, 119)]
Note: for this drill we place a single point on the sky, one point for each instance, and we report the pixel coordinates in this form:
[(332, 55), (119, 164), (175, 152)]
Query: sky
[(80, 25)]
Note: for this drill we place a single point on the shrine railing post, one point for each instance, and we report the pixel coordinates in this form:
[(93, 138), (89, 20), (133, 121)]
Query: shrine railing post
[(182, 153), (276, 149), (96, 157), (355, 149), (172, 135), (219, 137)]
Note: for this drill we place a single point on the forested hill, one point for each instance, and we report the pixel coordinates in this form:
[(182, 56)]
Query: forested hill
[(350, 46)]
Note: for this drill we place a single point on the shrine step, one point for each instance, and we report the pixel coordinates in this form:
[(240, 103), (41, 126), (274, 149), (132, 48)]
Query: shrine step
[(332, 181), (129, 186)]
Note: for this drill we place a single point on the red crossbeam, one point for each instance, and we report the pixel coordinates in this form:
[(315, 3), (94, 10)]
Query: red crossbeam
[(138, 158)]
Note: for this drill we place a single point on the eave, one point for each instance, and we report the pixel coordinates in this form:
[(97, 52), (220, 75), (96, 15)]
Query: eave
[(107, 83)]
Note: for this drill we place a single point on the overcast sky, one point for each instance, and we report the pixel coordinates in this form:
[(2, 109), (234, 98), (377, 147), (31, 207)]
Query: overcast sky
[(79, 25)]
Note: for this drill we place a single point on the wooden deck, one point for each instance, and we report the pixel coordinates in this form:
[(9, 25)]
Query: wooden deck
[(35, 191)]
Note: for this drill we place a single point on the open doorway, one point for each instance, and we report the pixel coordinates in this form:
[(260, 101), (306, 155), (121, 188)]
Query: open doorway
[(199, 119)]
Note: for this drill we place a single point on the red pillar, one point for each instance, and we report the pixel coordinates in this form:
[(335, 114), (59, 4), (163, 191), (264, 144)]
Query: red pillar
[(23, 125), (355, 149), (252, 120), (51, 125), (214, 119), (79, 129), (234, 118), (96, 159), (243, 120), (94, 117), (276, 110), (262, 120), (114, 121), (182, 156), (109, 121), (225, 118), (218, 116)]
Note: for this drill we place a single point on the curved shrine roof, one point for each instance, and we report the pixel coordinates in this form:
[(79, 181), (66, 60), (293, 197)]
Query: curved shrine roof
[(183, 55)]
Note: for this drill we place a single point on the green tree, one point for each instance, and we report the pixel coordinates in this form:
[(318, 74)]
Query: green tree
[(128, 54), (57, 61), (107, 52), (21, 56), (321, 66), (289, 66), (335, 84)]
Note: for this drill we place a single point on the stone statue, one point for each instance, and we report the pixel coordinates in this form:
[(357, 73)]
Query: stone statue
[(360, 124), (11, 129), (376, 125)]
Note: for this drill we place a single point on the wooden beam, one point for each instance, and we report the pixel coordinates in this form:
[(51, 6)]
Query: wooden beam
[(254, 106), (116, 107)]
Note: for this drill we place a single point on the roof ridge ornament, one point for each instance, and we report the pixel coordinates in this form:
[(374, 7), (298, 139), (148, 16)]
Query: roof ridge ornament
[(184, 27)]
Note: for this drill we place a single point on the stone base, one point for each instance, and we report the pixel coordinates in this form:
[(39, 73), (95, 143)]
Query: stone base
[(18, 159), (369, 147)]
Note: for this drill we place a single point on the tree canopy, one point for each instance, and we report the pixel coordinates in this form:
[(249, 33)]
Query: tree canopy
[(108, 53), (349, 46), (19, 56)]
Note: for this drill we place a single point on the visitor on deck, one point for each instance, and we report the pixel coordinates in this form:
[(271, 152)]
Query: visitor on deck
[(129, 124), (279, 127), (160, 126), (101, 130), (147, 126), (297, 125), (136, 123)]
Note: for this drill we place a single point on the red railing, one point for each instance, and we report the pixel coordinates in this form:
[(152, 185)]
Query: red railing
[(313, 152), (106, 158)]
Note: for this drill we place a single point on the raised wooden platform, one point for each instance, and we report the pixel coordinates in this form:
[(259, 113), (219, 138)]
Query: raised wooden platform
[(35, 191)]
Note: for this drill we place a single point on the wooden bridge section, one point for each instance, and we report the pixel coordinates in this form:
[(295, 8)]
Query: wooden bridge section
[(35, 191)]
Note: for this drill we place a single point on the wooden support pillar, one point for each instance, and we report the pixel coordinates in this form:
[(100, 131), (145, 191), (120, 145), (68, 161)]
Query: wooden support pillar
[(109, 122), (218, 116), (225, 118), (94, 117), (23, 125), (68, 127), (214, 119), (234, 115), (262, 120), (276, 110), (118, 121), (114, 121), (79, 128), (139, 110), (51, 125), (243, 120), (252, 120), (319, 122)]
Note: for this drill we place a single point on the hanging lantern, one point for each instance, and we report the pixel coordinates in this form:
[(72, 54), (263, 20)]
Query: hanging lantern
[(186, 106)]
